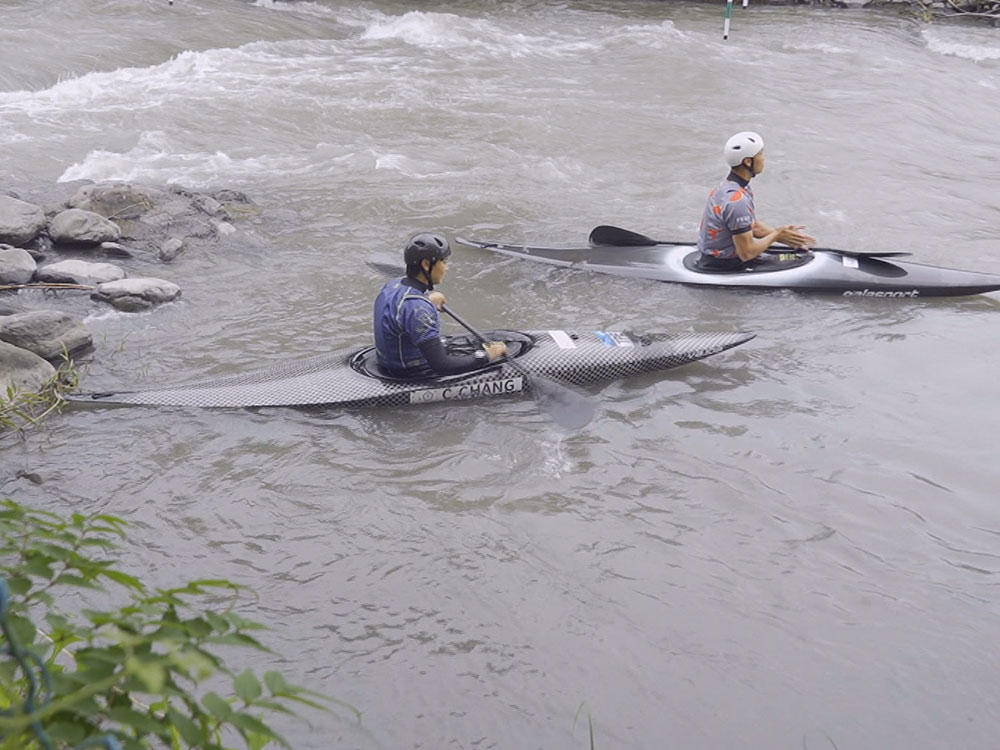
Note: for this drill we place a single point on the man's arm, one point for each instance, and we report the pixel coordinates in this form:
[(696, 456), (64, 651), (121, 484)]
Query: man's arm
[(444, 363), (760, 237)]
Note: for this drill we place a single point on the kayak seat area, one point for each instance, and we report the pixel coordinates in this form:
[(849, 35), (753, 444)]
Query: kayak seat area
[(366, 361), (879, 267), (763, 264)]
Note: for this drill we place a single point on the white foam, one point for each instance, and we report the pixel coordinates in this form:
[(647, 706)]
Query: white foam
[(959, 45), (424, 29), (826, 49), (147, 88), (451, 31), (159, 158)]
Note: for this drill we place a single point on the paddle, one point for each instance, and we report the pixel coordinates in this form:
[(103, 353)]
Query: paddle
[(567, 407), (608, 235)]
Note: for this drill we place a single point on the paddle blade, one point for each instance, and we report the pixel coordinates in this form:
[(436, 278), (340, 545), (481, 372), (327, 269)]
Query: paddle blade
[(607, 235), (388, 269), (565, 406)]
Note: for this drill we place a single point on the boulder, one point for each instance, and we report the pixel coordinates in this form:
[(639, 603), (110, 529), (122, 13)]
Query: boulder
[(9, 308), (46, 333), (117, 200), (145, 215), (17, 266), (79, 272), (170, 249), (74, 226), (132, 295), (22, 370), (116, 250), (20, 222)]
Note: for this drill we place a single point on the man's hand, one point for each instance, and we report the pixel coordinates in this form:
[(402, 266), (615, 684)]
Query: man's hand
[(793, 236), (437, 299), (495, 350)]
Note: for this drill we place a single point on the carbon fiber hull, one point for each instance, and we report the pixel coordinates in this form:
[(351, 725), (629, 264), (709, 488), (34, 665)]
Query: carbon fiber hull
[(828, 272), (344, 379)]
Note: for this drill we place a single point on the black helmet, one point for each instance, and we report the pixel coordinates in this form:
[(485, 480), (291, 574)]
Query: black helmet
[(426, 246)]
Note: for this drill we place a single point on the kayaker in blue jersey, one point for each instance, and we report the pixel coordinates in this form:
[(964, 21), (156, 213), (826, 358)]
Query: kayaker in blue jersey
[(406, 323), (730, 235)]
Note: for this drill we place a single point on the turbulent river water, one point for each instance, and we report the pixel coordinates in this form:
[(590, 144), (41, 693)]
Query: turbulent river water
[(795, 544)]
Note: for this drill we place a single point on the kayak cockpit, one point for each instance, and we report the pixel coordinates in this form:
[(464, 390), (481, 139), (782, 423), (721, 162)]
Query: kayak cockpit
[(518, 343), (765, 263)]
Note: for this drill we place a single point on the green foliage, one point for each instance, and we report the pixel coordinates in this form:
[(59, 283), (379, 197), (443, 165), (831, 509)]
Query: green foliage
[(21, 409), (130, 673)]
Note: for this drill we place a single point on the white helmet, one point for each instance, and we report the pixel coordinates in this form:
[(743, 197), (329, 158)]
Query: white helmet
[(741, 146)]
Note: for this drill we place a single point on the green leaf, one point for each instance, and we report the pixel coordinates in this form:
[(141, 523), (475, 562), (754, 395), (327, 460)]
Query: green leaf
[(22, 629), (95, 672), (84, 708), (39, 565), (218, 623), (58, 622), (254, 726), (238, 639), (190, 732), (124, 579), (56, 551), (69, 579), (217, 707), (197, 627), (139, 722), (274, 706), (100, 655), (275, 682), (67, 732), (247, 686), (151, 674), (195, 664), (19, 585)]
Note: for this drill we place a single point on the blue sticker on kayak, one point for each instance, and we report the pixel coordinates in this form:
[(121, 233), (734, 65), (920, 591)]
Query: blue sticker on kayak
[(612, 338)]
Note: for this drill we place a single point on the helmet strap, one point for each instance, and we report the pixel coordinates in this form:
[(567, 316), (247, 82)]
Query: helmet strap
[(428, 275)]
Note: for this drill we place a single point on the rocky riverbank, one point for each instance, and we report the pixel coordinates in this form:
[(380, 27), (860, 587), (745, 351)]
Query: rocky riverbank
[(92, 237)]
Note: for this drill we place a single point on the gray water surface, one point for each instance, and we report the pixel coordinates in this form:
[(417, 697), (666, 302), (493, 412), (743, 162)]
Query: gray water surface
[(789, 545)]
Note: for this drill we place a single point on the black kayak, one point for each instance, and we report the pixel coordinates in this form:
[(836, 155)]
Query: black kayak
[(847, 273), (352, 378)]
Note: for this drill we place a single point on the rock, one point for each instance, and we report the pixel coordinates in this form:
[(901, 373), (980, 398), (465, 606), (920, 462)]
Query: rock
[(20, 222), (117, 201), (16, 265), (75, 226), (22, 370), (79, 272), (116, 250), (46, 333), (209, 205), (8, 308), (170, 249), (132, 295)]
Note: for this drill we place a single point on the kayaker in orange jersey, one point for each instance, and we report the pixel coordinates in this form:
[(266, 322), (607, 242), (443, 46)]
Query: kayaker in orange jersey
[(730, 235), (406, 323)]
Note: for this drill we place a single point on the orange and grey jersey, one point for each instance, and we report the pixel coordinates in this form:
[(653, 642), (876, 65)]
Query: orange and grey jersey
[(729, 211)]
